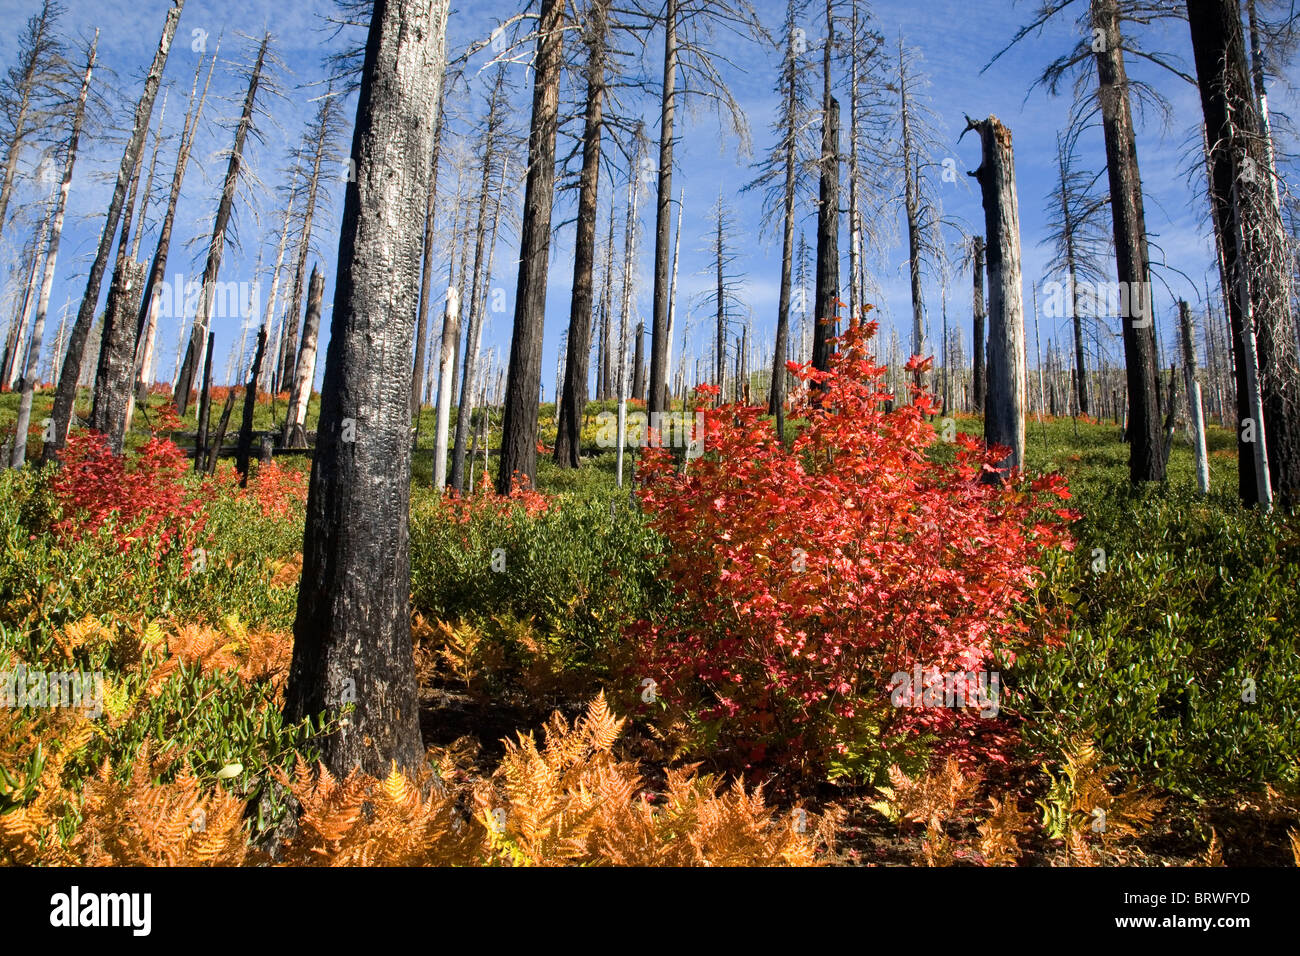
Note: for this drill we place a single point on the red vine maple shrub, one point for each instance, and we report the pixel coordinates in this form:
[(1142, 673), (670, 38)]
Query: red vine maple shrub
[(808, 576), (145, 496), (280, 492)]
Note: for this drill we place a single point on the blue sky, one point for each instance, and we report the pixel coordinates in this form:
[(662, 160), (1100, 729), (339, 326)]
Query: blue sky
[(954, 39)]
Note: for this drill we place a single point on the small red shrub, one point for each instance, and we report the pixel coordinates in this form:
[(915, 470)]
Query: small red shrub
[(145, 496), (811, 574)]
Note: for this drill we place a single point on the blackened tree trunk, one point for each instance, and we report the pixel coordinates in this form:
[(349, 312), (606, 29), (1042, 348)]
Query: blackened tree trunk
[(244, 449), (912, 207), (659, 344), (295, 435), (978, 375), (519, 428), (638, 364), (828, 242), (217, 244), (1255, 249), (205, 397), (352, 634), (115, 374), (574, 400), (1004, 421), (776, 397), (66, 394), (1146, 460)]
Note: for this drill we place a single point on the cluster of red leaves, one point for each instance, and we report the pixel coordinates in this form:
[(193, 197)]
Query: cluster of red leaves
[(814, 573), (485, 500), (145, 496), (278, 491)]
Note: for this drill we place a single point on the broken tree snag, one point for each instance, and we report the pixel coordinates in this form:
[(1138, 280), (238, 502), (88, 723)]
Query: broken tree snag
[(1004, 421), (352, 633), (295, 435)]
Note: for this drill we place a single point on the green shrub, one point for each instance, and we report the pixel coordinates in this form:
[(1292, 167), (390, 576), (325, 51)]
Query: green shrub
[(1194, 601)]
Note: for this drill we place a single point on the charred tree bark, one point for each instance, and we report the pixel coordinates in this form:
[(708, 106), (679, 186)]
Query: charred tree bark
[(519, 429), (205, 399), (115, 375), (1004, 421), (659, 344), (1146, 461), (66, 394), (978, 376), (1255, 253), (574, 400), (244, 449), (352, 634)]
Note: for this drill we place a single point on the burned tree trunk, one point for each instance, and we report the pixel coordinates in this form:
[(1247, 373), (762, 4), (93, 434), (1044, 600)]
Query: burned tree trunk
[(295, 419), (978, 379), (205, 398), (1194, 406), (519, 428), (66, 395), (352, 634), (245, 447), (828, 216), (1255, 252), (1146, 461), (659, 344), (574, 401), (116, 371), (1004, 420)]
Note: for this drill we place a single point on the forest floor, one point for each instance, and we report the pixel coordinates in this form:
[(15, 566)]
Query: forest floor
[(1133, 720)]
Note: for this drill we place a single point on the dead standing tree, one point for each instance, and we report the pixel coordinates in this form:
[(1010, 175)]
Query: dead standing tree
[(783, 174), (352, 634), (492, 180), (1004, 422), (519, 425), (66, 394), (595, 37), (19, 456), (26, 91), (320, 142), (217, 241), (689, 25), (1104, 46), (1256, 256)]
